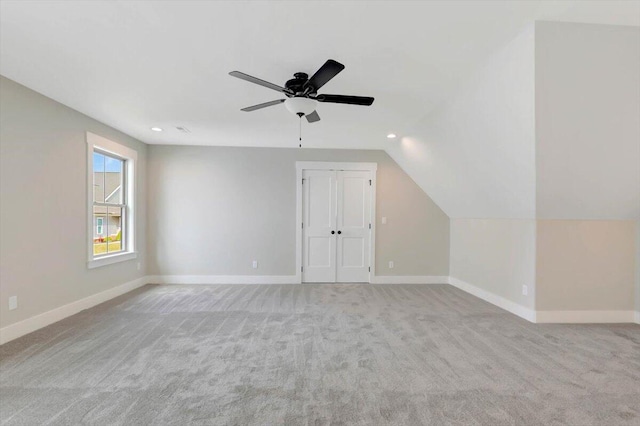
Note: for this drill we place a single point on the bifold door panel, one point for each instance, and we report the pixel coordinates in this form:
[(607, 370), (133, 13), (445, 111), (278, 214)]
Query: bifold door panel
[(353, 219), (318, 221), (336, 225)]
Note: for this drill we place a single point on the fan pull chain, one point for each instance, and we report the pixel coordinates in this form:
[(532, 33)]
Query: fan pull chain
[(300, 130)]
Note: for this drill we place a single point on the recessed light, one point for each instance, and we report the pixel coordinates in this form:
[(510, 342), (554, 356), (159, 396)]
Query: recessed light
[(156, 129), (391, 136)]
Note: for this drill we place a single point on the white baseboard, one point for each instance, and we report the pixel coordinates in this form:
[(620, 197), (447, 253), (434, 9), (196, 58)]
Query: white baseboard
[(32, 324), (37, 322), (499, 301), (584, 317), (223, 279), (409, 279), (283, 279)]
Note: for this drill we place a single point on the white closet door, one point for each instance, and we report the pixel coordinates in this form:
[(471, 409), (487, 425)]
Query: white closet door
[(318, 220), (353, 225)]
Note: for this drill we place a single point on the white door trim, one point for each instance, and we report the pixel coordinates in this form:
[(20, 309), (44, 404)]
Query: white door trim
[(330, 165)]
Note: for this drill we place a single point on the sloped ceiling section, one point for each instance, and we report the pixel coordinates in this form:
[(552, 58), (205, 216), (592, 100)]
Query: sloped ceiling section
[(475, 155)]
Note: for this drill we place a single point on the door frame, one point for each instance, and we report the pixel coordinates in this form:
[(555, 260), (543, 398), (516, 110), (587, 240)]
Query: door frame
[(338, 166)]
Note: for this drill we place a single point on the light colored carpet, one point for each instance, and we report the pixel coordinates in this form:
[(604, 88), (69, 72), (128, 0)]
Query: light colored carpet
[(317, 355)]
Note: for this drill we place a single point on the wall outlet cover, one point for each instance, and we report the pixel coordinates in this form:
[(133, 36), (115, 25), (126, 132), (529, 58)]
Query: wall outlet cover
[(255, 264), (525, 290), (13, 303), (391, 265)]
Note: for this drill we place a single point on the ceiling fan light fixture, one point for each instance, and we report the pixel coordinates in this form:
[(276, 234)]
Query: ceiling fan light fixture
[(300, 105)]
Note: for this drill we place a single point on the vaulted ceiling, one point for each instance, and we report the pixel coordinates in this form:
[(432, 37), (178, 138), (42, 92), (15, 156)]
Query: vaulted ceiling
[(455, 80), (138, 64)]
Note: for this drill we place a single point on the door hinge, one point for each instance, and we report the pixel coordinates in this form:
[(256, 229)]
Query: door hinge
[(369, 182), (369, 268), (303, 181), (302, 225), (369, 226), (302, 269)]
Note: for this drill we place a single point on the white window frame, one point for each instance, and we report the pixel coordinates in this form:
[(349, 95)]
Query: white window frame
[(95, 142)]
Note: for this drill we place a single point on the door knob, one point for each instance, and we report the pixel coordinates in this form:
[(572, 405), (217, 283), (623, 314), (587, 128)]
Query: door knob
[(339, 232), (333, 232)]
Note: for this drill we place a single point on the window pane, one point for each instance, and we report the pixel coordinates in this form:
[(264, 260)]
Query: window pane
[(98, 177), (113, 180), (115, 228), (99, 230)]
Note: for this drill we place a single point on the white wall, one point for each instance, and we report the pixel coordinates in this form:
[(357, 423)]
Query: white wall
[(587, 121), (588, 165), (213, 210), (548, 129), (475, 155), (43, 194)]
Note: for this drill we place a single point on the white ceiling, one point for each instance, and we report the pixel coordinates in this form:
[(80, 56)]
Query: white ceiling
[(475, 155), (138, 64)]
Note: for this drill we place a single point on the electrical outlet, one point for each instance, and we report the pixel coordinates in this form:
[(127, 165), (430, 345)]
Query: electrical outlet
[(384, 220), (391, 264), (13, 303), (255, 264), (525, 290)]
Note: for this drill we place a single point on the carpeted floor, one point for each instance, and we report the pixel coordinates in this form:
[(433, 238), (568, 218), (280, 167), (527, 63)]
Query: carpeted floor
[(317, 355)]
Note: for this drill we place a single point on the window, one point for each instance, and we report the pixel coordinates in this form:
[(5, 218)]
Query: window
[(111, 195), (109, 203)]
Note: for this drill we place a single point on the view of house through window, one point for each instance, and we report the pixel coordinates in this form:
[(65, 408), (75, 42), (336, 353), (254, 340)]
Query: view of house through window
[(109, 203)]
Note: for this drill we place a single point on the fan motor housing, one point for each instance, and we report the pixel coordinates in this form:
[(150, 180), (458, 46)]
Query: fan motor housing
[(296, 84)]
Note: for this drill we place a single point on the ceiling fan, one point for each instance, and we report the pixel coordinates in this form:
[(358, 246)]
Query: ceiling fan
[(302, 92)]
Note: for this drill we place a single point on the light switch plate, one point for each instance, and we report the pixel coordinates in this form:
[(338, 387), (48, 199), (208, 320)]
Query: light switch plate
[(391, 265), (13, 303), (255, 264), (384, 220)]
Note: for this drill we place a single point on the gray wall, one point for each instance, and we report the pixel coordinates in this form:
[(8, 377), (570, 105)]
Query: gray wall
[(215, 209), (496, 255), (637, 260), (43, 194)]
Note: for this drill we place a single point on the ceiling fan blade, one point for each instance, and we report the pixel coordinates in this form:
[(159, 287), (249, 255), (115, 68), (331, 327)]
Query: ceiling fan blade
[(264, 105), (343, 99), (255, 80), (326, 72), (313, 117)]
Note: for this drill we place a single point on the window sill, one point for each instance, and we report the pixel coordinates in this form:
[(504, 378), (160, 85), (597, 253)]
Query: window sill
[(109, 260)]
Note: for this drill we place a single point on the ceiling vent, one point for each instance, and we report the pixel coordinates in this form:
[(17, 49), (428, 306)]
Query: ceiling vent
[(183, 129)]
